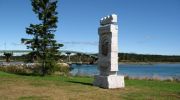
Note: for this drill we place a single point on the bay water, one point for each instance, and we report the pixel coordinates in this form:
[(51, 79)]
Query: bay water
[(161, 70)]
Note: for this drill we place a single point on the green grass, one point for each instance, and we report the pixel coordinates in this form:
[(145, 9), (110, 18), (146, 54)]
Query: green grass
[(34, 98), (17, 87)]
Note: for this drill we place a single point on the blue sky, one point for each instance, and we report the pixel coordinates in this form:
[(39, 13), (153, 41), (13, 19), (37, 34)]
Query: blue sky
[(145, 26)]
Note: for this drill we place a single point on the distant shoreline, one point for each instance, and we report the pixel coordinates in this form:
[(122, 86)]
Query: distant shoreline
[(148, 63), (134, 63)]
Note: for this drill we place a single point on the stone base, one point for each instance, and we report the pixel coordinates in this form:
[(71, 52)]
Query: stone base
[(109, 82)]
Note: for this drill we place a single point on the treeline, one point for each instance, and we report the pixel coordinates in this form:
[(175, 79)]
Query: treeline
[(14, 58), (131, 57), (123, 57), (126, 57)]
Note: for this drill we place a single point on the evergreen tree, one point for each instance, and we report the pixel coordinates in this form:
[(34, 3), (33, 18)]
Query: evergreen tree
[(43, 44)]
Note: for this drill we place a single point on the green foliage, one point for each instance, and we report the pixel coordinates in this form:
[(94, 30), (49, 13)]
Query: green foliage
[(30, 57), (8, 55), (130, 57), (43, 44), (125, 57), (35, 69), (64, 69), (15, 69)]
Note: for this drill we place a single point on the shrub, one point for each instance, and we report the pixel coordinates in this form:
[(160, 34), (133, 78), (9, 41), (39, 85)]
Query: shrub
[(15, 69), (35, 69), (62, 68)]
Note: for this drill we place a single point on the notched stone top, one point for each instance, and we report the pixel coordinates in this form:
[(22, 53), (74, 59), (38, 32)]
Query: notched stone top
[(110, 19)]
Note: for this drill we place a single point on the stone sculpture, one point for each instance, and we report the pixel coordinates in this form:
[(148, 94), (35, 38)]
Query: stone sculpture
[(108, 54)]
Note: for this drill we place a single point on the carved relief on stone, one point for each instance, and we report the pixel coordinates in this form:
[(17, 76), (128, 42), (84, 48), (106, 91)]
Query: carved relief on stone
[(105, 44)]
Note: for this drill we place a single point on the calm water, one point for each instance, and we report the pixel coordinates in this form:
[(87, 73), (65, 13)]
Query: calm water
[(133, 70)]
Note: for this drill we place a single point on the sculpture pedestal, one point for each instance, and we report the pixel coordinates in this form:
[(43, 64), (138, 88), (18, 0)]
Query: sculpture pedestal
[(109, 82)]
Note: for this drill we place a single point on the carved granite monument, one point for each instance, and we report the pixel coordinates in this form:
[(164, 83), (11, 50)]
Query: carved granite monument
[(108, 54)]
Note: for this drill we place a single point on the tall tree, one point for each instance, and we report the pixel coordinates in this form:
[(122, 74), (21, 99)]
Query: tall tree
[(43, 43)]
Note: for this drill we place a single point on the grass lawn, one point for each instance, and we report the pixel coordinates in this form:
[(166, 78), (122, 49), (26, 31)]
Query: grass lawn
[(16, 87)]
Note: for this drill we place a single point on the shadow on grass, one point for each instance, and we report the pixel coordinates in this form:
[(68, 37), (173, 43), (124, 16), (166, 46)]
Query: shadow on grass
[(82, 83), (23, 74), (28, 74)]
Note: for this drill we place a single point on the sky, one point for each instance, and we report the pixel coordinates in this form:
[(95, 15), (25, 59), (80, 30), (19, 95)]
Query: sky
[(145, 26)]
